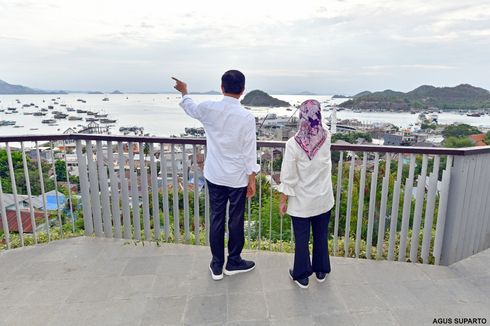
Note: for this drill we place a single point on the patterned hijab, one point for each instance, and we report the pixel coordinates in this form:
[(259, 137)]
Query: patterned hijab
[(311, 135)]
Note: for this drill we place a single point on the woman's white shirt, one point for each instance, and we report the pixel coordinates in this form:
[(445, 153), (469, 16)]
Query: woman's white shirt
[(307, 183)]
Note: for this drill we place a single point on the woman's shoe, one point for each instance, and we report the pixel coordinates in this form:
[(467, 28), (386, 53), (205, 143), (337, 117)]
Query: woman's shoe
[(302, 283), (321, 277)]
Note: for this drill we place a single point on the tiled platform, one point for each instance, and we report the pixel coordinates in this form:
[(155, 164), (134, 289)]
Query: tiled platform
[(87, 281)]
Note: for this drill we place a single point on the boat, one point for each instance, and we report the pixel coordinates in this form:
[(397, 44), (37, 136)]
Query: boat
[(70, 109), (63, 105), (105, 99), (101, 115), (60, 116), (56, 103), (90, 113), (108, 120), (48, 121), (12, 109), (80, 100), (91, 119), (73, 117), (44, 110), (18, 126), (81, 111), (7, 123), (28, 113), (474, 114), (39, 114), (50, 107), (33, 128)]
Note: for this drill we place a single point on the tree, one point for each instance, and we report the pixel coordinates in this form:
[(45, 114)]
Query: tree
[(487, 138), (459, 130), (456, 142), (60, 170)]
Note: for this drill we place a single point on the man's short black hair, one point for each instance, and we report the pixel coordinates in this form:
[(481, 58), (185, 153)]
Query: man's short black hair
[(233, 82)]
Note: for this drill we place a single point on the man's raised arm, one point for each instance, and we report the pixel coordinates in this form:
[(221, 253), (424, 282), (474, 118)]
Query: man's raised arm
[(189, 106)]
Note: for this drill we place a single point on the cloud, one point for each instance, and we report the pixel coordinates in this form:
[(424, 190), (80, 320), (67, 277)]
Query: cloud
[(343, 46)]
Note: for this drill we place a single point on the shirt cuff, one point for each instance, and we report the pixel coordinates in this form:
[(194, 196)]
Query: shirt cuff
[(255, 168), (185, 97), (285, 189)]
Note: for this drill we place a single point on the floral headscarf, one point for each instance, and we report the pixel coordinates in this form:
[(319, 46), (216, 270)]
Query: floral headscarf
[(311, 134)]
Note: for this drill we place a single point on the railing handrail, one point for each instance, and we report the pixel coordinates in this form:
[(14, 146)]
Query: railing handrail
[(465, 151)]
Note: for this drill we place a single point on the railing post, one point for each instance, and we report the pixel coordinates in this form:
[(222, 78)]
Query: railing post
[(464, 218)]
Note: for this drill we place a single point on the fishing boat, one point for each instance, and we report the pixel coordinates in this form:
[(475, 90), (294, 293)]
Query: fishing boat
[(90, 113), (39, 114), (81, 111), (73, 117), (48, 121), (60, 116), (101, 115), (108, 120), (474, 114), (70, 109), (91, 119), (50, 107), (7, 123), (105, 99)]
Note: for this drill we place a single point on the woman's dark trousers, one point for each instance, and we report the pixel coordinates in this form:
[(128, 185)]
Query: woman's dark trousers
[(303, 267)]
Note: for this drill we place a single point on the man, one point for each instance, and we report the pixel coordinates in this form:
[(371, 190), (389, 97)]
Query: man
[(230, 168)]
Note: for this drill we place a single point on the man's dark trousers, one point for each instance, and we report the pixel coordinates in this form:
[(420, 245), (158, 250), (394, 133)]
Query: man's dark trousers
[(218, 198)]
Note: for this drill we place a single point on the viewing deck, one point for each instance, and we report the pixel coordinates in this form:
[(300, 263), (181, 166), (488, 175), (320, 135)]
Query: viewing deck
[(97, 281)]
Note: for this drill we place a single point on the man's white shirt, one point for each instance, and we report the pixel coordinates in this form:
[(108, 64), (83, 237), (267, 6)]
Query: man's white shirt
[(231, 140)]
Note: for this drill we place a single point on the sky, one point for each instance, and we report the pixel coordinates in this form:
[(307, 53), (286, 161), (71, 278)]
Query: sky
[(326, 47)]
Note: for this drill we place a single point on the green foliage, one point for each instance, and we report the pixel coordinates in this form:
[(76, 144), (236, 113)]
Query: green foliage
[(457, 142), (60, 170), (351, 137), (425, 126), (487, 138), (20, 178), (459, 130)]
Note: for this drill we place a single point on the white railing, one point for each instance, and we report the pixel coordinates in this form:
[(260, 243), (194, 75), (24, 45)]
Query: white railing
[(397, 203)]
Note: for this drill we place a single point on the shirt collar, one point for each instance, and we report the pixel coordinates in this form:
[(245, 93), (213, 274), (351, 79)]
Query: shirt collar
[(230, 99)]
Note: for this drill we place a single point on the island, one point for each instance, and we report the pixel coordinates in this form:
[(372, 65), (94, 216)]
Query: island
[(340, 96), (461, 97), (261, 98), (6, 88), (206, 93), (117, 92)]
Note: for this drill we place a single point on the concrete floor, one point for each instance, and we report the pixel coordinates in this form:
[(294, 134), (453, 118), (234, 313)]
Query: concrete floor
[(88, 281)]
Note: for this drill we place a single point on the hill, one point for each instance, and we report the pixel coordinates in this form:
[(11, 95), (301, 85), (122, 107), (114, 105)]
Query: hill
[(6, 88), (464, 96), (260, 98)]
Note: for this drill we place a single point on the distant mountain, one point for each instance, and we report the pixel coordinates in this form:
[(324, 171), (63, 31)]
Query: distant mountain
[(362, 94), (94, 92), (6, 88), (305, 93), (340, 96), (117, 92), (207, 93), (463, 96), (260, 98)]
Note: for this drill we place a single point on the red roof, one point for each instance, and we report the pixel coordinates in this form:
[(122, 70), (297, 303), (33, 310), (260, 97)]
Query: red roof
[(25, 217), (478, 139)]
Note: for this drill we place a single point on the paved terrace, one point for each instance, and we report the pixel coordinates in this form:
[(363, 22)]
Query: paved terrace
[(88, 281)]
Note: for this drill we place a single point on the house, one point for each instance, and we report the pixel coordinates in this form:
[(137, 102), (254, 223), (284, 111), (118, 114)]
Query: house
[(25, 217), (51, 200), (478, 139)]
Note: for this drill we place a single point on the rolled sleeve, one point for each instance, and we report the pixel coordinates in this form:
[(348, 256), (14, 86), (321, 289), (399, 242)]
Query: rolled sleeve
[(289, 173), (250, 149)]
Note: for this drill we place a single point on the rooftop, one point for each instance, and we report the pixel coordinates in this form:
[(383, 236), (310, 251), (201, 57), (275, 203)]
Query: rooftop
[(89, 281)]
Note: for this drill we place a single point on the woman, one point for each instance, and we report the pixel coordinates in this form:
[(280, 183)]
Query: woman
[(307, 194)]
